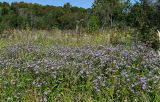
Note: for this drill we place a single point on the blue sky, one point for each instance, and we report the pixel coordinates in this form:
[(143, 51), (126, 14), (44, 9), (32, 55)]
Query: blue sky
[(79, 3)]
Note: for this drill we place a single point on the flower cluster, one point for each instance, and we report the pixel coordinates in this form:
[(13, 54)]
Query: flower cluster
[(135, 67)]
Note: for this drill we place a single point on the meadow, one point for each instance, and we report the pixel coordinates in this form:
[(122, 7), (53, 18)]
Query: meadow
[(61, 66)]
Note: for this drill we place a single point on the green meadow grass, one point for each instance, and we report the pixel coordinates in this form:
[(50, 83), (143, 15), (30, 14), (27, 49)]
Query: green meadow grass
[(19, 85)]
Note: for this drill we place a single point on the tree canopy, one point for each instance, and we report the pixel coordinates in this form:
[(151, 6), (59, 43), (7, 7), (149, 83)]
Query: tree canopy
[(108, 13), (20, 15)]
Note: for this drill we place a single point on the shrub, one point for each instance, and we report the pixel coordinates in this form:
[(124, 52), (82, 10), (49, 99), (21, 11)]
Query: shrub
[(93, 24)]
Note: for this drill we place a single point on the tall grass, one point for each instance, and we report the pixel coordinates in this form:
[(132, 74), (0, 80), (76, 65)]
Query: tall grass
[(70, 37)]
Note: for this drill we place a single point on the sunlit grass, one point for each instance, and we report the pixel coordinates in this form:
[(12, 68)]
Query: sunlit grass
[(59, 67)]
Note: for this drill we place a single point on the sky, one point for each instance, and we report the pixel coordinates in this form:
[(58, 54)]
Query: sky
[(79, 3)]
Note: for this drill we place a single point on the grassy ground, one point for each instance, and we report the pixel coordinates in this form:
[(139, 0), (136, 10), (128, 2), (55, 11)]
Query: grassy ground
[(113, 36), (51, 66)]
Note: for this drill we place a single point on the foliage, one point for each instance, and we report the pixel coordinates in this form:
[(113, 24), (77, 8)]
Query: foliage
[(31, 72), (109, 11), (143, 22), (93, 23), (21, 15)]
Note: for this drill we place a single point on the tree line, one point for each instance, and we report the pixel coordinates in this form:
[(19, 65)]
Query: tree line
[(104, 13), (143, 15), (21, 15)]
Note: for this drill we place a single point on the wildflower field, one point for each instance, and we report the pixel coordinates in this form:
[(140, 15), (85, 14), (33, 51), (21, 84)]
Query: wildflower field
[(79, 51), (32, 72)]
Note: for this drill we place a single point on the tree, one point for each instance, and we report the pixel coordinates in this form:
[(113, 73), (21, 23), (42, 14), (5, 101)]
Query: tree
[(141, 17), (21, 15), (108, 10)]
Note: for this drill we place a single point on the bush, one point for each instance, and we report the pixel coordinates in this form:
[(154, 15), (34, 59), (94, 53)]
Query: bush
[(148, 36), (93, 24)]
